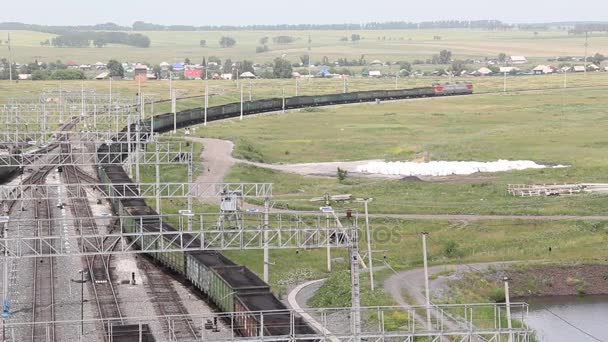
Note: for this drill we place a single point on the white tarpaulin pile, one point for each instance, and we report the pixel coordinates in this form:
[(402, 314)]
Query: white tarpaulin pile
[(446, 168)]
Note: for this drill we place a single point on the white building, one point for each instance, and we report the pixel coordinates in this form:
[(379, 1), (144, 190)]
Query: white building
[(517, 60)]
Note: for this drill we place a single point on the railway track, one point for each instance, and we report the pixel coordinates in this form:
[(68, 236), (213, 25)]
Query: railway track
[(43, 295), (167, 302), (97, 266)]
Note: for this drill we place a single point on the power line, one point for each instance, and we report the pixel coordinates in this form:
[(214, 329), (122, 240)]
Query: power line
[(574, 326)]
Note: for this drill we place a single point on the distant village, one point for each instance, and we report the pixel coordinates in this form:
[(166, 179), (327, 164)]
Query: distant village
[(512, 65)]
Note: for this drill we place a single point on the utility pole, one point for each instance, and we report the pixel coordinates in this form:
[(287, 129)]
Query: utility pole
[(565, 78), (266, 252), (174, 110), (426, 282), (5, 303), (170, 85), (355, 288), (283, 98), (297, 87), (250, 89), (241, 101), (157, 169), (206, 98), (504, 86), (586, 46), (10, 60), (508, 307), (369, 245)]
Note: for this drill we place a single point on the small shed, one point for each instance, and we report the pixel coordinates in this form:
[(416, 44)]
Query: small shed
[(483, 71), (593, 67), (579, 68), (517, 60), (543, 69), (164, 65), (226, 76), (247, 74), (104, 75), (100, 65), (178, 66), (375, 73), (509, 70), (324, 73)]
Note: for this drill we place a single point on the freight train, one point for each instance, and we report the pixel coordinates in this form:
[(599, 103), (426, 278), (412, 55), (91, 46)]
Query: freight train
[(164, 122), (232, 288)]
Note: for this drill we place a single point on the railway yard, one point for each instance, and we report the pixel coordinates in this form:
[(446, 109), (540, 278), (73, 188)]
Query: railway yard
[(242, 176), (92, 254)]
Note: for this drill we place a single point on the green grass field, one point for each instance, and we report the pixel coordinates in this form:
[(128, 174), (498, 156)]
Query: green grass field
[(563, 126), (392, 45)]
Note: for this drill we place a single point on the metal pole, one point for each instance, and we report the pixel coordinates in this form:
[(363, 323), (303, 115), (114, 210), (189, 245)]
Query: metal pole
[(241, 101), (508, 306), (10, 60), (250, 89), (190, 174), (266, 252), (426, 282), (565, 78), (369, 246), (157, 169), (61, 104), (130, 163), (504, 86), (355, 294), (344, 86), (137, 151), (170, 85), (297, 87), (206, 98), (328, 239), (283, 98), (81, 303), (586, 45), (174, 110)]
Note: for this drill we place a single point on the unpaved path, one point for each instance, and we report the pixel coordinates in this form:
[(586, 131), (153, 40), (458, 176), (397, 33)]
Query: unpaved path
[(218, 158), (412, 281)]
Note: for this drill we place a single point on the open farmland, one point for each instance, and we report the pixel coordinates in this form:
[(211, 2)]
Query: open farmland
[(392, 45)]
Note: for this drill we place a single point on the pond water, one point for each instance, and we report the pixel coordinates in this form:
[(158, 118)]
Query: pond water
[(548, 316)]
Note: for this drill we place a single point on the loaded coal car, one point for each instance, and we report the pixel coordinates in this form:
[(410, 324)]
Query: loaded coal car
[(220, 279), (276, 322), (7, 168), (231, 287)]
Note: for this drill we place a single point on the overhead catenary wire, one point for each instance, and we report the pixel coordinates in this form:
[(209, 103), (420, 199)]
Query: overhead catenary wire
[(574, 326)]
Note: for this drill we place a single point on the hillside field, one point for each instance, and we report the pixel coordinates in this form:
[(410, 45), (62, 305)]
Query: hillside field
[(386, 45)]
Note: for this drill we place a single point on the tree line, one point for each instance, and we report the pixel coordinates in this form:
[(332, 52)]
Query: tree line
[(99, 39), (42, 71), (143, 26)]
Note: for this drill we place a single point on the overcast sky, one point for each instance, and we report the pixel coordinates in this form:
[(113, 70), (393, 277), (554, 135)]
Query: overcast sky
[(244, 12)]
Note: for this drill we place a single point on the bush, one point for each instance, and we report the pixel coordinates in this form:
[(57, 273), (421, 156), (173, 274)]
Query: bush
[(227, 42), (342, 174), (451, 250), (497, 295), (260, 49)]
